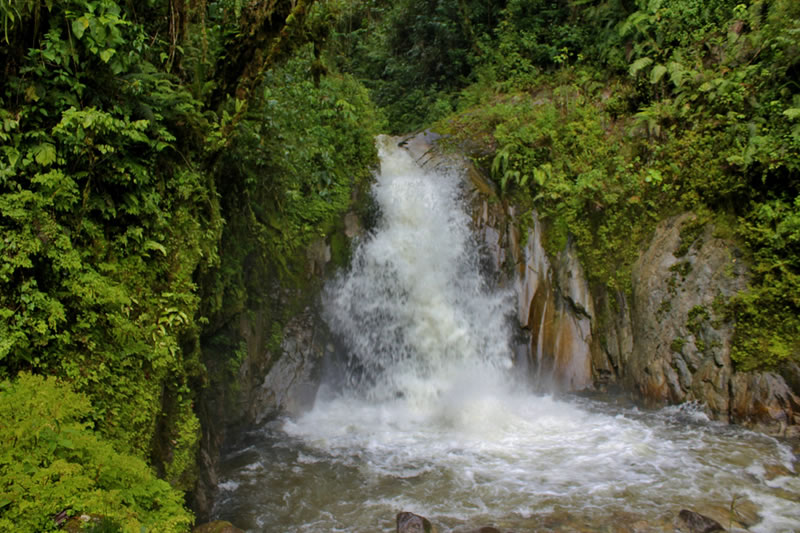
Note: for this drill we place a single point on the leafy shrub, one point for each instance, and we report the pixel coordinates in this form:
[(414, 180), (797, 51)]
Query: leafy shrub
[(52, 461)]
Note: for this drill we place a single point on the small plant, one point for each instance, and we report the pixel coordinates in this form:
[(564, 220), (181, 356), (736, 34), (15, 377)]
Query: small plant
[(677, 344)]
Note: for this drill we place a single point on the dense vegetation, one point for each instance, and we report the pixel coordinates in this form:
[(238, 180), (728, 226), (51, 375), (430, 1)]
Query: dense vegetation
[(148, 150), (161, 162), (610, 116)]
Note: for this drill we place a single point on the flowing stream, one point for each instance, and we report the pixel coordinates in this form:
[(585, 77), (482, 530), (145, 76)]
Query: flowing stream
[(430, 417)]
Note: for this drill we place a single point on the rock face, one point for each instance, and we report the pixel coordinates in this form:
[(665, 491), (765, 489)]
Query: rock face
[(291, 383), (554, 304), (667, 343), (681, 345), (280, 345), (681, 339), (556, 307)]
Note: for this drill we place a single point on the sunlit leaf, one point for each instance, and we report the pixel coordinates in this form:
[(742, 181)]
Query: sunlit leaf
[(44, 154), (79, 26)]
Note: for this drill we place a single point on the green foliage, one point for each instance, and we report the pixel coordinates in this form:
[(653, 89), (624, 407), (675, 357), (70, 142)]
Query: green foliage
[(289, 177), (556, 150), (533, 35), (51, 461), (699, 113), (121, 150), (768, 315), (103, 224), (414, 55)]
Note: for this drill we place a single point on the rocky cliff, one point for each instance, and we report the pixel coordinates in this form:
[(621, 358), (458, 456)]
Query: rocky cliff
[(279, 347), (666, 342)]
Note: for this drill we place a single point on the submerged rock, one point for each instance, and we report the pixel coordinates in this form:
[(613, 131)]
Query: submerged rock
[(413, 523), (217, 526), (692, 522)]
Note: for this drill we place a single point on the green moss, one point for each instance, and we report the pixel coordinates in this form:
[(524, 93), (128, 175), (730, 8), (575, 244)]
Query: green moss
[(697, 317), (275, 337), (677, 344), (340, 249), (681, 268), (689, 235)]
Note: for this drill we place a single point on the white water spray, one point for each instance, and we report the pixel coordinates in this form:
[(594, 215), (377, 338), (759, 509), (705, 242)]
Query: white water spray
[(415, 313)]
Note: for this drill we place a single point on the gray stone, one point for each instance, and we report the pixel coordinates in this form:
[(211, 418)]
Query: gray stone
[(674, 299), (352, 225), (291, 384), (692, 522)]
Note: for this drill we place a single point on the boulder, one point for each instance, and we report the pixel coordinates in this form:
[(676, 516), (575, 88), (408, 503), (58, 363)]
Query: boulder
[(291, 383), (682, 337)]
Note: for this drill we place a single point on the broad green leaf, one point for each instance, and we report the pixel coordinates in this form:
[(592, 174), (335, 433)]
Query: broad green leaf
[(79, 26), (639, 64), (793, 113), (106, 54), (657, 73), (13, 155), (44, 153)]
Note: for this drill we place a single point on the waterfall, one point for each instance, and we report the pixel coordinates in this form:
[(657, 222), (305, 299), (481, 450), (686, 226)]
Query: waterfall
[(429, 420), (415, 314)]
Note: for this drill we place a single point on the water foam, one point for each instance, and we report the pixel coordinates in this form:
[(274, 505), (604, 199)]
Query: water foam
[(414, 311)]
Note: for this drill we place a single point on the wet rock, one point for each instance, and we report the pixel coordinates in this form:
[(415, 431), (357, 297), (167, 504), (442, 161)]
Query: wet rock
[(555, 306), (738, 514), (352, 225), (745, 512), (612, 344), (318, 254), (772, 471), (692, 522), (625, 522), (678, 283), (217, 526), (291, 384), (412, 523), (641, 527), (765, 401), (682, 339)]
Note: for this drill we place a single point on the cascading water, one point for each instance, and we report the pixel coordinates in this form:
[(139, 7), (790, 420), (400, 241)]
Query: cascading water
[(414, 311), (430, 420)]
